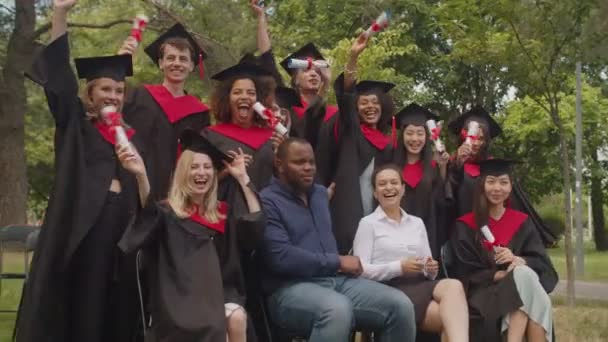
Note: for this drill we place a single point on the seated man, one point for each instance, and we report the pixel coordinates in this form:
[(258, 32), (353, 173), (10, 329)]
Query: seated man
[(311, 290)]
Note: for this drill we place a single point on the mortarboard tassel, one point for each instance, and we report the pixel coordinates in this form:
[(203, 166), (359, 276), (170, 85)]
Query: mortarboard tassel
[(394, 132), (201, 68)]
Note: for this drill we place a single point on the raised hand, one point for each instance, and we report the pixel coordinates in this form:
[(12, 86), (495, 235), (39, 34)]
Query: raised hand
[(359, 45), (129, 46), (238, 167), (258, 10), (65, 5)]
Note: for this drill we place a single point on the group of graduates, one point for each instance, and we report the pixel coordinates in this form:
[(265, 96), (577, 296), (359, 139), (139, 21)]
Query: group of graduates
[(172, 224)]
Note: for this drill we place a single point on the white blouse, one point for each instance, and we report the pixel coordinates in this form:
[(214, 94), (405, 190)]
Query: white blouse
[(381, 243)]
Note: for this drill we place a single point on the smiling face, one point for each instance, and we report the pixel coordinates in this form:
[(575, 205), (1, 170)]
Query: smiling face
[(106, 92), (201, 175), (497, 189), (242, 98), (414, 139), (388, 188), (176, 64), (308, 80), (369, 109)]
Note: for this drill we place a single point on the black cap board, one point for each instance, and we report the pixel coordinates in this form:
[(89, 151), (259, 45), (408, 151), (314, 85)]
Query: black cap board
[(414, 114), (369, 86), (307, 51), (287, 97), (476, 114), (241, 69), (496, 167), (115, 67), (192, 141), (176, 31)]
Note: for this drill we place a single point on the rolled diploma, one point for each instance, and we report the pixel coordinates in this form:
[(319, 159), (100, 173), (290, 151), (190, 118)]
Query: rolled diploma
[(261, 110), (432, 125), (380, 23), (139, 24), (119, 131), (295, 63), (487, 234), (472, 131)]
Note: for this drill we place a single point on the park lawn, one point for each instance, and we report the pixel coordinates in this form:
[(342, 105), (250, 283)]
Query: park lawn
[(595, 263), (585, 322)]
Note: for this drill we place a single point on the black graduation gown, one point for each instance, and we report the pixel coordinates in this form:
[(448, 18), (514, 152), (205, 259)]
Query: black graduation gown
[(85, 165), (463, 185), (183, 276), (240, 278), (432, 207), (160, 131), (355, 153), (489, 301)]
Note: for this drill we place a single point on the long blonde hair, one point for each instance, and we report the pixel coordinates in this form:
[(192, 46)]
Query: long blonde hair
[(179, 194)]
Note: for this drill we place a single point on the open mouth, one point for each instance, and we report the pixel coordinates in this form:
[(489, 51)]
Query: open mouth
[(244, 108), (390, 194), (200, 182)]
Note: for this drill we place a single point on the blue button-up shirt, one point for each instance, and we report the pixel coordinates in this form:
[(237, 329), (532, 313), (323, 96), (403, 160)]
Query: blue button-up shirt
[(298, 241)]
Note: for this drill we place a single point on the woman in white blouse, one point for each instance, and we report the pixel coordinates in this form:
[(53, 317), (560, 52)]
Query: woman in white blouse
[(394, 249)]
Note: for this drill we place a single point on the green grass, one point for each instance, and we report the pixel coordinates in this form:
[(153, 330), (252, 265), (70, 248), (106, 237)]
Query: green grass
[(11, 292), (585, 322), (596, 263)]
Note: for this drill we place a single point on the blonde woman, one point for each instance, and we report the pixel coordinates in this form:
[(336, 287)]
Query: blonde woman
[(80, 285), (189, 240)]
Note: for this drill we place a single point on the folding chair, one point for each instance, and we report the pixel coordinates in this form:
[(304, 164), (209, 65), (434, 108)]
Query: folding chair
[(24, 236)]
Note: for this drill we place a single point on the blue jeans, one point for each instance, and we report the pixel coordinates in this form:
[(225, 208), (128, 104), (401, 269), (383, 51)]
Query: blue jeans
[(327, 309)]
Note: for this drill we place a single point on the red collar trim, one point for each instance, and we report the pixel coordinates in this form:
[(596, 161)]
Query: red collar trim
[(503, 229), (375, 137), (219, 226), (253, 137), (175, 108)]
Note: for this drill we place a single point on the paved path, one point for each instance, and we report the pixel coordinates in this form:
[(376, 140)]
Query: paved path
[(584, 290)]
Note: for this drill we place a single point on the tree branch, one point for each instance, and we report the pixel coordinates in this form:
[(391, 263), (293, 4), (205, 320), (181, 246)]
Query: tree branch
[(45, 27)]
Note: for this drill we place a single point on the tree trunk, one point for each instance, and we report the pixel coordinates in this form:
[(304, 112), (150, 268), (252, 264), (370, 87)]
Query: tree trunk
[(597, 208), (13, 179), (563, 147)]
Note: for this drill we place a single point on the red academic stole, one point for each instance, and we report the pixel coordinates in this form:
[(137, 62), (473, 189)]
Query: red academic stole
[(413, 173), (107, 131), (375, 137), (219, 226), (329, 110), (503, 229), (253, 137), (471, 169), (175, 108)]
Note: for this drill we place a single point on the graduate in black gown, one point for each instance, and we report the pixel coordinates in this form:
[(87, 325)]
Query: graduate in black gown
[(365, 114), (81, 287), (311, 84), (464, 169), (161, 112), (424, 170), (239, 127), (186, 254), (507, 276)]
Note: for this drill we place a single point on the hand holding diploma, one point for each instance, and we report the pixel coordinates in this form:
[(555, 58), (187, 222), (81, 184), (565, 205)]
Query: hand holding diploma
[(270, 118), (113, 119), (380, 24), (435, 130)]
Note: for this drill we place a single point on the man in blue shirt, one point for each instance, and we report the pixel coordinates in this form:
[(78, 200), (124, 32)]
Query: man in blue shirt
[(311, 289)]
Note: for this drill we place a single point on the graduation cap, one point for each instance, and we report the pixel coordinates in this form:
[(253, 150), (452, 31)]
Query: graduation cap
[(287, 97), (414, 114), (193, 141), (241, 69), (496, 167), (367, 86), (306, 51), (476, 114), (176, 31), (115, 67)]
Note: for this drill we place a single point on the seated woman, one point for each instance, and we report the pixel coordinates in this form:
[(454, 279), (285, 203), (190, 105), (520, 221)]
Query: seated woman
[(186, 277), (394, 248), (504, 269)]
